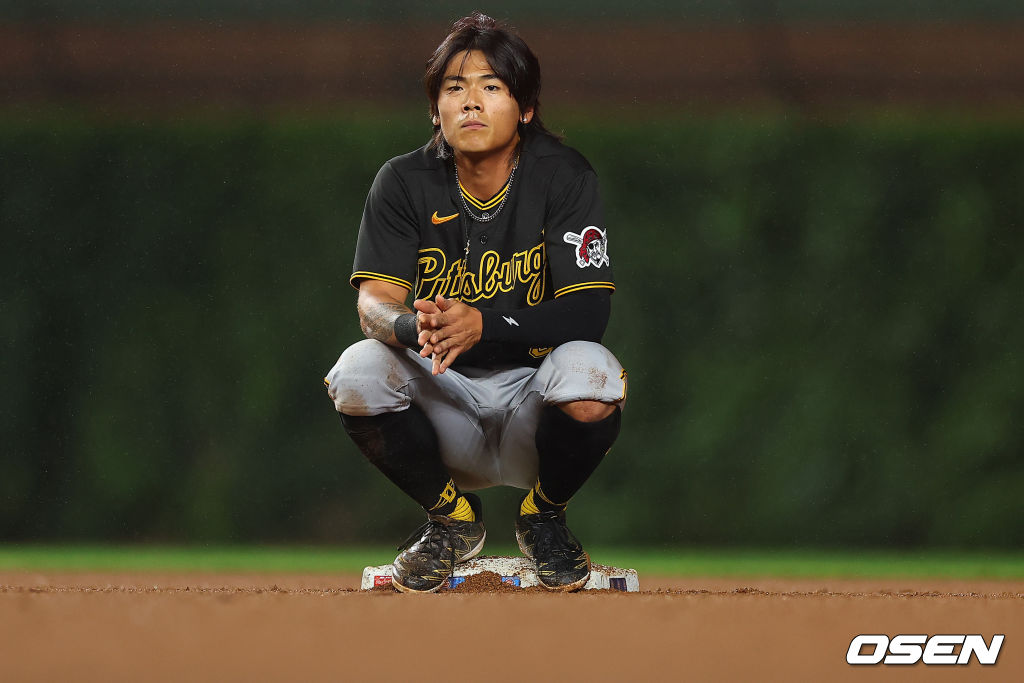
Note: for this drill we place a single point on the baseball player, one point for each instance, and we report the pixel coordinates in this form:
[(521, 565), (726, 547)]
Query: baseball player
[(496, 375)]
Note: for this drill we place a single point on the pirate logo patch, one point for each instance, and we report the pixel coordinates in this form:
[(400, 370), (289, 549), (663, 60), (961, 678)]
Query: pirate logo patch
[(592, 246)]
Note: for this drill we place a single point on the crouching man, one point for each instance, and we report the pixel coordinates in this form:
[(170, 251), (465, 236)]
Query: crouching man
[(496, 375)]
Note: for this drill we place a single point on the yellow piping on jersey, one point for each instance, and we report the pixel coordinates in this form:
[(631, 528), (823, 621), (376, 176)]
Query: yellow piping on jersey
[(483, 206), (584, 285), (366, 275)]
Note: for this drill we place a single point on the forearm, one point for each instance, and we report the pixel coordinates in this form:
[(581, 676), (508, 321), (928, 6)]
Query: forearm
[(380, 304), (582, 316), (377, 318)]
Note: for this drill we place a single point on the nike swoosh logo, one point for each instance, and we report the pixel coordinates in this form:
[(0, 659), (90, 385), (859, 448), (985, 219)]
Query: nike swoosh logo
[(438, 220)]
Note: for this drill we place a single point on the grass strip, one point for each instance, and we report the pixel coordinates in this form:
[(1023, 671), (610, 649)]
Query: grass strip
[(653, 561)]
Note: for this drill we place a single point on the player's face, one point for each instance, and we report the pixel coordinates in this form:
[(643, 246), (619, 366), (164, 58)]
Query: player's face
[(478, 114)]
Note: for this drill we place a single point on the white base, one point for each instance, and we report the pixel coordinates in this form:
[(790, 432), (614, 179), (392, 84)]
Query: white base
[(518, 571)]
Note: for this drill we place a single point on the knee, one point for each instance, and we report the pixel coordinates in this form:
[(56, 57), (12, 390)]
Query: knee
[(365, 372), (588, 411), (575, 353), (587, 373)]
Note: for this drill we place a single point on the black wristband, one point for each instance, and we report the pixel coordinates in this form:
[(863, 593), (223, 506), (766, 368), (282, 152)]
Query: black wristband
[(405, 331)]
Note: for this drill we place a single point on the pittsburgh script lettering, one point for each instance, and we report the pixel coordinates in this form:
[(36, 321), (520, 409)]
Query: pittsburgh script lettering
[(437, 276)]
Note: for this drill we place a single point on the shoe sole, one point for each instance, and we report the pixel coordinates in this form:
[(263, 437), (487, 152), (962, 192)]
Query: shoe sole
[(404, 589), (567, 588), (468, 556)]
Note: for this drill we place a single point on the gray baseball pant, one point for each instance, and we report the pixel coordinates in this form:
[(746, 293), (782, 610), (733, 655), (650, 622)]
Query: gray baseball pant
[(485, 419)]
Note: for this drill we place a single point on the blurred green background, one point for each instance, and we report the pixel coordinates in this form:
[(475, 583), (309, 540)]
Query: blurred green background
[(819, 268)]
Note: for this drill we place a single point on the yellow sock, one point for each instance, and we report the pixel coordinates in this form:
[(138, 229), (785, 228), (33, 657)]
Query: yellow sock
[(463, 510), (530, 506)]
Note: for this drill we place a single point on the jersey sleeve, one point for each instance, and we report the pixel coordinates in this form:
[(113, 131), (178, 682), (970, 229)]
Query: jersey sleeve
[(576, 239), (388, 241)]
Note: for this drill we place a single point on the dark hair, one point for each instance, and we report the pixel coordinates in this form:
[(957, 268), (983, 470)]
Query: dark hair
[(510, 57)]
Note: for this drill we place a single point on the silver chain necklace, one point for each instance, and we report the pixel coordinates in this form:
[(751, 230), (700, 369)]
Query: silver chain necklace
[(486, 217)]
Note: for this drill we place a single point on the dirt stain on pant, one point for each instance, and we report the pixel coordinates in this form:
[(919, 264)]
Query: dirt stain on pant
[(351, 402)]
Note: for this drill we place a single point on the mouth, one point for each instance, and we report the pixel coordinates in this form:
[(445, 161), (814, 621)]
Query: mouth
[(473, 125)]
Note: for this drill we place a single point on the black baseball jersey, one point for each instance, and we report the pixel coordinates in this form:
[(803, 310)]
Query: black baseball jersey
[(547, 240)]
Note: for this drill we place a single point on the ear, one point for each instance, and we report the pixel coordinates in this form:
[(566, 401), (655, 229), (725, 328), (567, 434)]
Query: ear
[(527, 115)]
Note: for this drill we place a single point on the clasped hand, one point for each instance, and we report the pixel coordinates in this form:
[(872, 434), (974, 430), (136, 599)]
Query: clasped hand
[(448, 328)]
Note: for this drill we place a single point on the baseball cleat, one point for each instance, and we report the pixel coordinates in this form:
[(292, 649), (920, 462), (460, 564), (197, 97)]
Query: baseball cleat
[(430, 554), (562, 564)]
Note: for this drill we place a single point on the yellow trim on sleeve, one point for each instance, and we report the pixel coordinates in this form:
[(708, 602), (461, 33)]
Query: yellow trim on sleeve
[(366, 275), (584, 285)]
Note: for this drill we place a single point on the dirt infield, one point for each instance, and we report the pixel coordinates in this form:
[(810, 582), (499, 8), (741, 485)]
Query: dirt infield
[(218, 627)]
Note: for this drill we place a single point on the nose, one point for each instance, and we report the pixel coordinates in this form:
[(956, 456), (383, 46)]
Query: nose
[(471, 103)]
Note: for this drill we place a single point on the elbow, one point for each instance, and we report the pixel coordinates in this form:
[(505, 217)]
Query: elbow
[(594, 333), (596, 311), (597, 333), (364, 320), (602, 313)]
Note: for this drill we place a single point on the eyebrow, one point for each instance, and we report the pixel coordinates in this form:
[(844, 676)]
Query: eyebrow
[(456, 78)]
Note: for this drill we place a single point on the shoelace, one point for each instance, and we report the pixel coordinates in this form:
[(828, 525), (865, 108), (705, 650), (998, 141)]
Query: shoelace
[(553, 535), (428, 528)]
